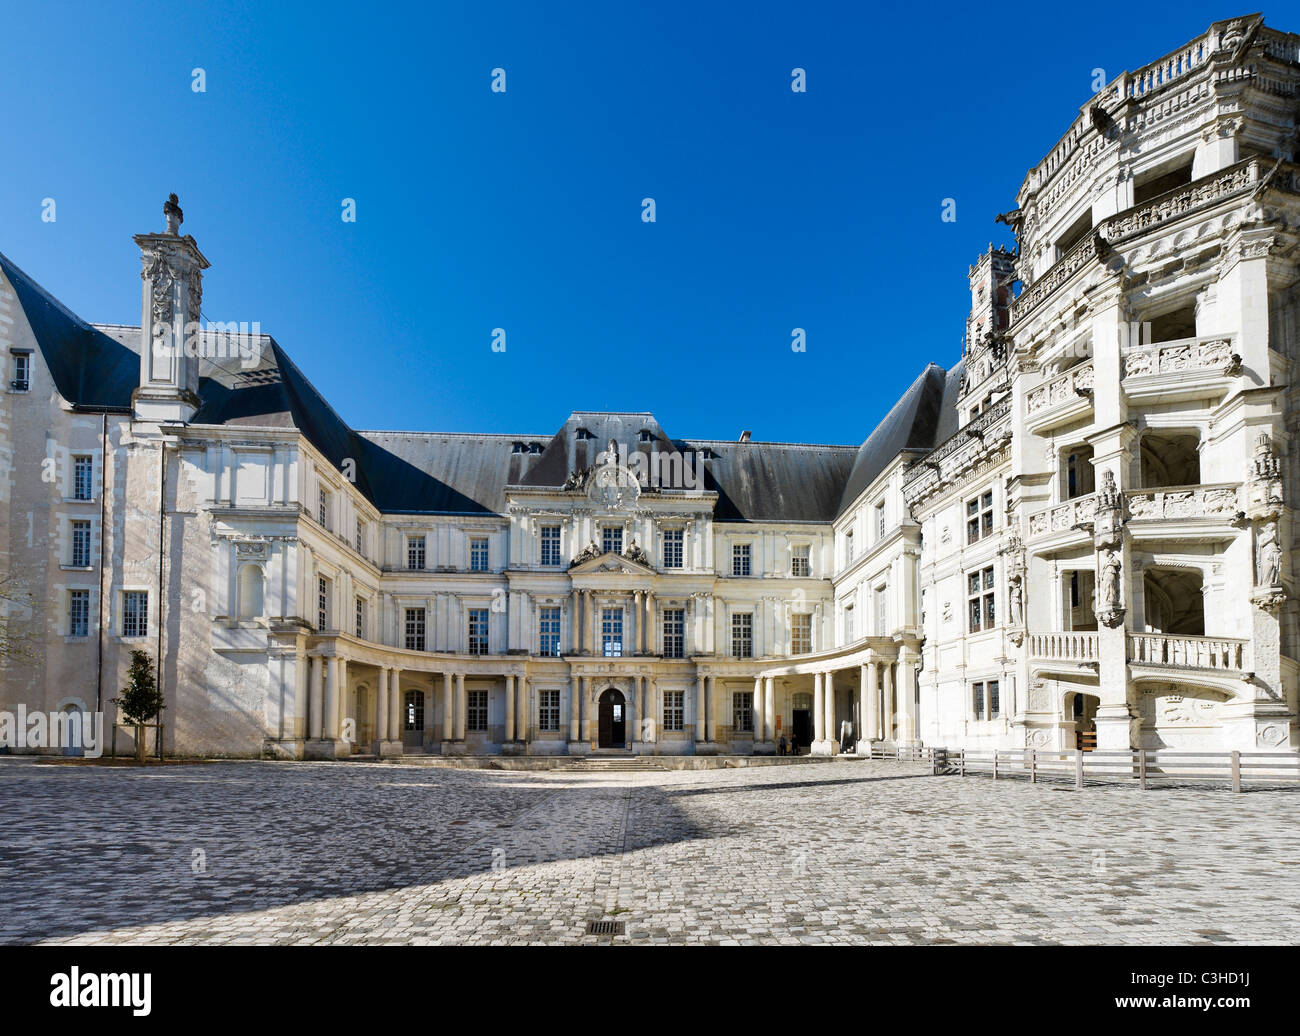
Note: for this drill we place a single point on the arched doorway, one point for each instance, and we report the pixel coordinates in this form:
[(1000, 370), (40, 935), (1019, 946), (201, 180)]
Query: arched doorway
[(801, 722), (613, 719), (1081, 714)]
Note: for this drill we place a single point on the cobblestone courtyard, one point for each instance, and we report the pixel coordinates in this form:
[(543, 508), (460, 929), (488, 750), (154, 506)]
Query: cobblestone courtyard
[(844, 852)]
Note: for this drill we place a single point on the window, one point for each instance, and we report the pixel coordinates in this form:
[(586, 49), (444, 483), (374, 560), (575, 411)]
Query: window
[(880, 520), (323, 507), (22, 378), (135, 613), (78, 613), (415, 552), (476, 716), (741, 556), (611, 632), (980, 594), (361, 617), (413, 713), (800, 563), (984, 699), (674, 710), (478, 554), (979, 517), (882, 610), (849, 624), (742, 711), (361, 537), (81, 544), (549, 626), (673, 548), (611, 539), (742, 635), (414, 629), (322, 604), (800, 633), (551, 545), (848, 547), (83, 468), (478, 631), (674, 623), (548, 710), (251, 585)]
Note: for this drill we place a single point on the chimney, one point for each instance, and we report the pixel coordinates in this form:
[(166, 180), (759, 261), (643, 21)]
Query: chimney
[(172, 272), (744, 436)]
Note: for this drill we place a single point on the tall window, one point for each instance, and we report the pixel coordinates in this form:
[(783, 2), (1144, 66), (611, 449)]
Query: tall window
[(548, 710), (981, 600), (674, 710), (882, 610), (548, 623), (611, 539), (476, 705), (800, 633), (414, 629), (81, 544), (848, 547), (880, 520), (742, 711), (741, 558), (850, 622), (673, 548), (361, 537), (323, 507), (478, 554), (674, 632), (22, 372), (361, 617), (551, 545), (742, 635), (413, 712), (322, 604), (135, 613), (415, 552), (611, 632), (478, 631), (984, 699), (979, 517), (800, 565), (78, 613), (83, 472)]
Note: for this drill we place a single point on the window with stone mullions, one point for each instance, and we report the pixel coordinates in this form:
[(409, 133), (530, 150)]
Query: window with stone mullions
[(981, 600), (979, 517)]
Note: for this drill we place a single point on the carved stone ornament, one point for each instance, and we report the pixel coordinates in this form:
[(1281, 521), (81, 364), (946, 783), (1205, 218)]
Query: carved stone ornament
[(591, 550), (1108, 523), (635, 553), (1264, 499)]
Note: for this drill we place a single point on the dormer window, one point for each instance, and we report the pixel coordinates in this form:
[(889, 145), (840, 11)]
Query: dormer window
[(645, 435), (22, 371), (517, 447), (582, 434), (534, 447)]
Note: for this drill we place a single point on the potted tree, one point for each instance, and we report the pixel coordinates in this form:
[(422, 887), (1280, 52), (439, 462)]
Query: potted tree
[(141, 701)]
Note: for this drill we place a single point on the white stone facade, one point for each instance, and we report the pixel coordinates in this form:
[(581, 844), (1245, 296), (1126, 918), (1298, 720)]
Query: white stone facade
[(1080, 535)]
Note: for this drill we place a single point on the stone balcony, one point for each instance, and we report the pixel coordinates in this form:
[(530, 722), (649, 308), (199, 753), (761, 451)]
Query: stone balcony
[(1205, 511), (1187, 652), (1187, 368), (1060, 400), (1078, 647), (1067, 519)]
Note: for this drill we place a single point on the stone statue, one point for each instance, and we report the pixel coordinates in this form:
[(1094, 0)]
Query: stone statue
[(1017, 602), (586, 554), (173, 214), (1108, 584), (1269, 556), (635, 553)]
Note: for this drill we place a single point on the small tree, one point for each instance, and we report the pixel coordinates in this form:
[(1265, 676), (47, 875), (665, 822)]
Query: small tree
[(141, 701)]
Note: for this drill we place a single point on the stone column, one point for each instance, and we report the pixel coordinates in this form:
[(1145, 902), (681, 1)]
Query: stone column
[(575, 707), (510, 707), (758, 709), (460, 706), (769, 710), (831, 733), (522, 710), (651, 638), (395, 706), (347, 705), (907, 696), (887, 696), (701, 706), (591, 622), (317, 697), (331, 711), (630, 713), (381, 708), (871, 702), (301, 692), (819, 708), (448, 714), (635, 615)]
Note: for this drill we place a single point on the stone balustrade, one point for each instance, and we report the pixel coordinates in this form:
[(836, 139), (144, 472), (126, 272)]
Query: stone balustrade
[(1212, 353), (1064, 388), (1185, 502), (1187, 652), (1063, 647), (1064, 516)]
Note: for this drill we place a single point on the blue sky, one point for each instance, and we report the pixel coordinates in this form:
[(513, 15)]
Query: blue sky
[(522, 210)]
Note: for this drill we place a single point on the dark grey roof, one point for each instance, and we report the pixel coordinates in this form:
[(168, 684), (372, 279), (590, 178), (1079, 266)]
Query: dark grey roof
[(424, 472), (915, 422)]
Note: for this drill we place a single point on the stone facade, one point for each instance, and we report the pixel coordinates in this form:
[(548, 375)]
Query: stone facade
[(1079, 535)]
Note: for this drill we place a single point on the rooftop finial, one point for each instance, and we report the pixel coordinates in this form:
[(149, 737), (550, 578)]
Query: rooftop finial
[(175, 217)]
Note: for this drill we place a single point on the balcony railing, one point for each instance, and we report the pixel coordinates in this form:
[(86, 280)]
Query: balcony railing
[(1167, 649), (1211, 353), (1064, 388), (950, 455), (1063, 516), (1063, 647), (1061, 271), (1214, 501)]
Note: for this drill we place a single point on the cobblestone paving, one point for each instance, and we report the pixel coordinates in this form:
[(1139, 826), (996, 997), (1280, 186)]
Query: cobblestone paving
[(845, 852)]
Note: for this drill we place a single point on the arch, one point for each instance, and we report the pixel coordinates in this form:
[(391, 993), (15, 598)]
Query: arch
[(252, 585), (612, 707)]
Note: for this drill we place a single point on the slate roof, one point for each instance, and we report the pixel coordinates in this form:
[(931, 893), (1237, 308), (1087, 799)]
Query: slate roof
[(97, 366)]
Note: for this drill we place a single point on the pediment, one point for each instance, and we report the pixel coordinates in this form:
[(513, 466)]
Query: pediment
[(611, 563)]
